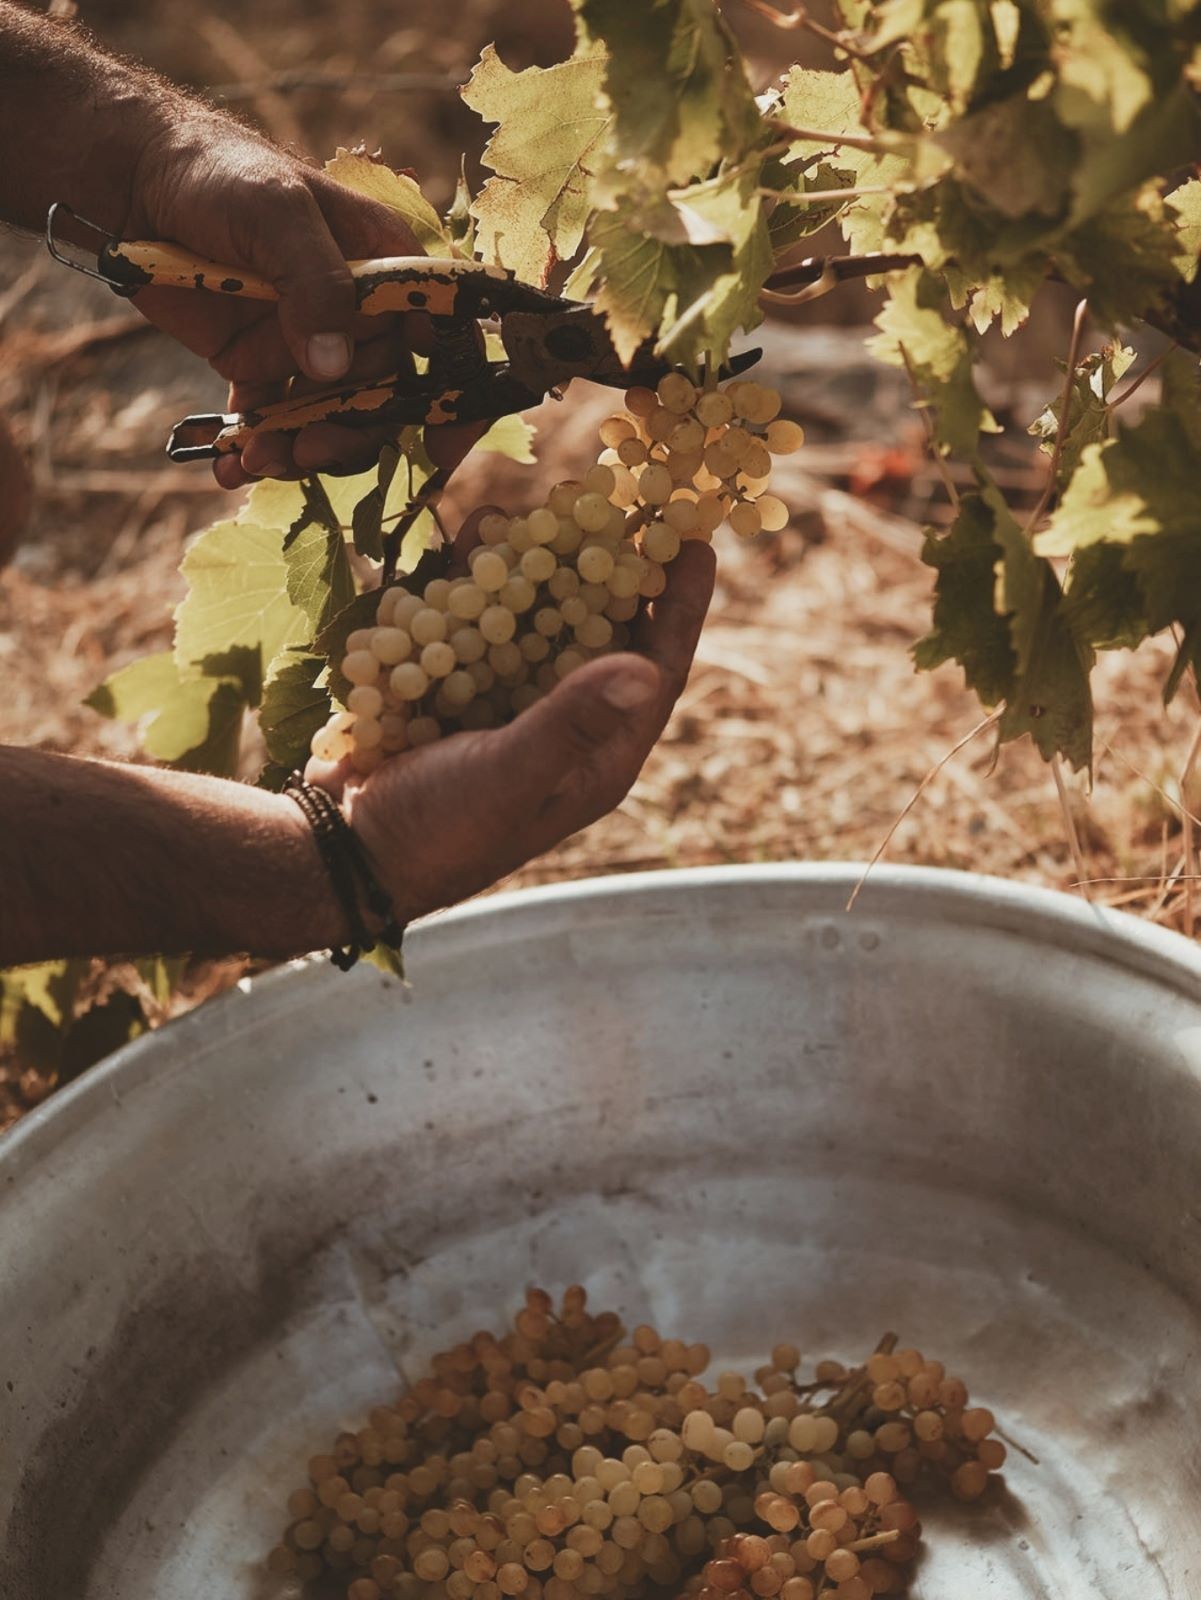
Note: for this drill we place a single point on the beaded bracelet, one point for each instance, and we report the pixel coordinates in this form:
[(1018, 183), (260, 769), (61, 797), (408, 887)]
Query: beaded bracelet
[(349, 870)]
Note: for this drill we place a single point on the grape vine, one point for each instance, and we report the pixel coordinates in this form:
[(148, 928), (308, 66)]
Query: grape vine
[(971, 153)]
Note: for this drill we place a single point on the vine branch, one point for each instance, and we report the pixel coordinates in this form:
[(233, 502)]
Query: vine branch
[(788, 21), (1044, 500)]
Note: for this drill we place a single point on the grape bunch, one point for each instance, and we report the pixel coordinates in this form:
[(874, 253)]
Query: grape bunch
[(551, 589), (562, 1461)]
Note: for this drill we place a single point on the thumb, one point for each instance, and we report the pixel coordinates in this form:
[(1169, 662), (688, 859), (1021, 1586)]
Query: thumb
[(557, 735), (297, 252)]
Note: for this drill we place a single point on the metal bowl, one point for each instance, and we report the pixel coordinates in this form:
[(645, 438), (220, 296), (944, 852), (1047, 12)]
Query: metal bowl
[(969, 1112)]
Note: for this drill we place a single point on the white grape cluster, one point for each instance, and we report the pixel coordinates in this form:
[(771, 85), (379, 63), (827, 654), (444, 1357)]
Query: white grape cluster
[(563, 1461), (550, 590)]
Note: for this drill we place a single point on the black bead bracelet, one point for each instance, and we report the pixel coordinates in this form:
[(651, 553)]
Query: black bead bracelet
[(350, 873)]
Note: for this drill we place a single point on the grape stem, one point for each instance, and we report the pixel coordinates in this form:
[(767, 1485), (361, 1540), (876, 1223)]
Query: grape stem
[(1065, 402), (790, 20), (856, 1385), (853, 141), (394, 538), (808, 197), (875, 1540), (1136, 384), (1014, 1445)]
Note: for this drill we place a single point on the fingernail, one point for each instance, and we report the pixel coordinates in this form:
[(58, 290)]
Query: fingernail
[(328, 355), (627, 690)]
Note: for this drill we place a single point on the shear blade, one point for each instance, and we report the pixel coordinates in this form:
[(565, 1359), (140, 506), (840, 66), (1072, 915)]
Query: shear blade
[(195, 438)]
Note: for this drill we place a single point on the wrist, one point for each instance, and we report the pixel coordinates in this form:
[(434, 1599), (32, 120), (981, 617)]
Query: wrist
[(376, 838), (368, 911), (308, 915)]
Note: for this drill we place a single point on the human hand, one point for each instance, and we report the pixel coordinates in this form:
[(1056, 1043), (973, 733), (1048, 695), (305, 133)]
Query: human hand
[(448, 819), (222, 191)]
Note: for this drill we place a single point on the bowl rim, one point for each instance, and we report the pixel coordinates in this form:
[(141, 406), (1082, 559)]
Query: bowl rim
[(1043, 915)]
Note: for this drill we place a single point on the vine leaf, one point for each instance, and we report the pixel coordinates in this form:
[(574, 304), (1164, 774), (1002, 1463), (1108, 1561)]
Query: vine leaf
[(238, 614), (999, 613), (831, 101), (1142, 483), (788, 223), (812, 97), (315, 511), (272, 503), (1017, 156), (399, 191), (686, 267), (1088, 407), (367, 519), (641, 278), (1051, 700), (914, 333), (1103, 604), (1136, 494), (330, 643), (1185, 202), (676, 86), (460, 224), (1002, 295), (511, 436), (1126, 258), (318, 575), (191, 721), (295, 705), (967, 628), (543, 154)]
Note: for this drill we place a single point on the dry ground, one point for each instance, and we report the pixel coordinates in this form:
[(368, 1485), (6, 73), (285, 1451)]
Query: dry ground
[(804, 733)]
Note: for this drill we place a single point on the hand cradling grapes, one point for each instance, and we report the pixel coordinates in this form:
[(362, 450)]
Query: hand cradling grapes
[(559, 1462), (552, 589)]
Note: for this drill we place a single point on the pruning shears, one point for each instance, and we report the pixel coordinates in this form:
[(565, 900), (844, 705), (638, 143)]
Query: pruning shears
[(547, 341)]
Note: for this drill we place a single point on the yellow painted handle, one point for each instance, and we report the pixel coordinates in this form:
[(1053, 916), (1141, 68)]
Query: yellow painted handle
[(388, 284)]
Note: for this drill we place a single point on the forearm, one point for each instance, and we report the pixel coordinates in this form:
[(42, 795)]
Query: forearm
[(99, 859), (73, 121)]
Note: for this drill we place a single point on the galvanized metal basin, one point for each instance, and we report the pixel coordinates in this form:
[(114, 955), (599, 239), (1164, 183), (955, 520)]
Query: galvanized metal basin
[(967, 1111)]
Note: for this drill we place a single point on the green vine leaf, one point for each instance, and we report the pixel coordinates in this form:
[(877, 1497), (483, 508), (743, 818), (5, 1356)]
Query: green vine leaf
[(544, 154), (1103, 604), (1051, 700), (238, 614), (367, 518), (319, 579), (1126, 259), (460, 224), (938, 355), (399, 191), (1184, 203), (330, 643), (295, 705), (1088, 418), (967, 628), (676, 87), (685, 268), (513, 437), (998, 612), (189, 721)]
